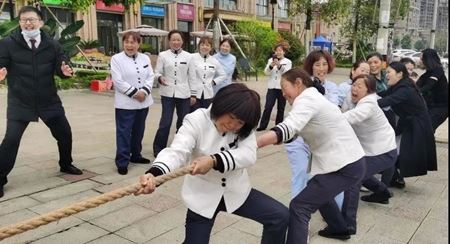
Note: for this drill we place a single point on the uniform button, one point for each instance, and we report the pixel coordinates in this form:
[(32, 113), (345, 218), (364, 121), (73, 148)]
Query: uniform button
[(223, 184), (138, 71), (222, 149), (223, 179)]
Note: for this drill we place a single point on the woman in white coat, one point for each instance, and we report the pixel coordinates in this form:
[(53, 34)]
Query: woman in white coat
[(204, 72), (221, 142), (132, 75), (376, 135), (337, 162)]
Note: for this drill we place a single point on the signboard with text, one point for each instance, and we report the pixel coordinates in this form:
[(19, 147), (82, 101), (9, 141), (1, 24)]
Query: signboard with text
[(153, 10), (100, 5), (185, 12)]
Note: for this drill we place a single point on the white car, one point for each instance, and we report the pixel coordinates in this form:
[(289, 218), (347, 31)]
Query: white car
[(397, 54), (415, 56)]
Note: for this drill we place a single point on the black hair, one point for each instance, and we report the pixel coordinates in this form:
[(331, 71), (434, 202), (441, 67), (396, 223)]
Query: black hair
[(356, 65), (400, 67), (407, 60), (174, 32), (26, 9), (242, 102), (293, 75), (430, 59), (226, 40), (369, 81), (375, 54)]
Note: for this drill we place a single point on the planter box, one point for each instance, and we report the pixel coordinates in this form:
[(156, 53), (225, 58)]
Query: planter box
[(99, 85)]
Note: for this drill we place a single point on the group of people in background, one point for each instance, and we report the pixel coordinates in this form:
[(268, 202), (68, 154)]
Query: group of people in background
[(337, 138)]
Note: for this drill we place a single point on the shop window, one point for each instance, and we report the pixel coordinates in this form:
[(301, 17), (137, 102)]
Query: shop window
[(108, 25)]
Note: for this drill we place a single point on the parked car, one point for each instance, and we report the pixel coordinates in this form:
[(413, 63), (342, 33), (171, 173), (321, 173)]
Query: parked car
[(398, 53), (444, 62), (415, 56)]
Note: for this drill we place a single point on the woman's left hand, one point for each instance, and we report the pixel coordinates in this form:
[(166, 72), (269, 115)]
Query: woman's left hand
[(202, 165)]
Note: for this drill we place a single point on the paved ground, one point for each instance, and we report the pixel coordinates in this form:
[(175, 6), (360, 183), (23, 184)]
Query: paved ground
[(417, 214)]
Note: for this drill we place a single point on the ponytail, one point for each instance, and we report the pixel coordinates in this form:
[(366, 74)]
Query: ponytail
[(318, 85)]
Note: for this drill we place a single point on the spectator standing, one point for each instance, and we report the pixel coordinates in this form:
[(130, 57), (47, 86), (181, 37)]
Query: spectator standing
[(228, 62)]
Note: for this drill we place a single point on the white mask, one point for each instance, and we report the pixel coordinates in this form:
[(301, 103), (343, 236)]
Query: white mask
[(31, 33)]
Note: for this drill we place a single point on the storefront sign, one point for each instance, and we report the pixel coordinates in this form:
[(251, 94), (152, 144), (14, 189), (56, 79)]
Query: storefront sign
[(53, 2), (284, 26), (153, 10), (100, 5), (185, 11)]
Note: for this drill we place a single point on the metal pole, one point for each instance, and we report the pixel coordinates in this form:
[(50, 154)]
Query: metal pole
[(433, 28)]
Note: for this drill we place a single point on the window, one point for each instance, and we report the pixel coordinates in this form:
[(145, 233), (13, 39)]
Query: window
[(209, 3), (64, 16), (283, 8), (262, 7), (184, 1)]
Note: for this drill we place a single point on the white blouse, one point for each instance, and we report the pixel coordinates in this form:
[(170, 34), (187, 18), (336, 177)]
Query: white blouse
[(275, 73), (202, 71)]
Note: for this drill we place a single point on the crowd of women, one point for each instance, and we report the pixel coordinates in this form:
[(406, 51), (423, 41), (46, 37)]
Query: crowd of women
[(337, 138)]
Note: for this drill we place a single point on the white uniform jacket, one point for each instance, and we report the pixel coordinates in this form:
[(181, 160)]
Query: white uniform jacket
[(173, 66), (275, 73), (330, 137), (198, 136), (371, 126), (130, 75), (202, 71)]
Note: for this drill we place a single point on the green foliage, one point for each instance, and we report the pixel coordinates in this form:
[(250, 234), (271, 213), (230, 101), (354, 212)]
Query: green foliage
[(68, 40), (81, 79), (396, 42), (88, 44), (419, 45), (145, 47), (260, 41), (333, 11), (7, 27), (296, 50), (406, 41), (83, 5)]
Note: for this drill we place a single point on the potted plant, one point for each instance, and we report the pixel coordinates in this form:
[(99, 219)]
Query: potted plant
[(89, 46)]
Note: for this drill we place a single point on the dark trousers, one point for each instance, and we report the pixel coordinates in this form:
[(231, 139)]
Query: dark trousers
[(272, 96), (60, 129), (168, 106), (376, 164), (273, 215), (201, 103), (130, 127), (438, 115), (319, 195)]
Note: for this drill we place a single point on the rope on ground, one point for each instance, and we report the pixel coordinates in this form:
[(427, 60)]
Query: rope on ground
[(93, 202)]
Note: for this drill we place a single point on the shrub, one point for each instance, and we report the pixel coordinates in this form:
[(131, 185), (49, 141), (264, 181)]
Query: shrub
[(89, 44), (296, 49)]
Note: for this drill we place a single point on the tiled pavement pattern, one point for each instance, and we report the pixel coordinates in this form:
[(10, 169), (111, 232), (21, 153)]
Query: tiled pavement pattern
[(417, 214)]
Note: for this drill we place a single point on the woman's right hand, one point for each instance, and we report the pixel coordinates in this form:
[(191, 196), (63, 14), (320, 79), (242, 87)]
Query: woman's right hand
[(148, 185), (193, 100), (3, 73), (163, 81)]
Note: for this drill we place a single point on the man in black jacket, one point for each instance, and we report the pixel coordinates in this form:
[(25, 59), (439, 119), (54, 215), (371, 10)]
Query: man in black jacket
[(30, 59)]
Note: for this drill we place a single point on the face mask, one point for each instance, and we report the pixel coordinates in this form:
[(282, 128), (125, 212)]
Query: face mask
[(31, 33)]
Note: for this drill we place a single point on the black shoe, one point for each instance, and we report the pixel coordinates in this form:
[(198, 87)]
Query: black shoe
[(328, 234), (71, 170), (382, 198), (260, 129), (351, 230), (140, 161), (400, 184), (1, 192), (122, 170)]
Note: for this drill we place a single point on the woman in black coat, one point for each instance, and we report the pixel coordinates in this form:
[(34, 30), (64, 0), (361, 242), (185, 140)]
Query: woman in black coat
[(434, 87), (417, 149)]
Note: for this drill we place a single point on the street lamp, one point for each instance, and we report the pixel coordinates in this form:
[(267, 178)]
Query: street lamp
[(273, 3)]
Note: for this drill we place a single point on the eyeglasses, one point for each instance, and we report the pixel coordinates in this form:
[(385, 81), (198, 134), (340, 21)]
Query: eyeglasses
[(31, 20)]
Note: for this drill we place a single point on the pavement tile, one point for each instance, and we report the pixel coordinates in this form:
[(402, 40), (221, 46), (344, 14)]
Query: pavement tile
[(149, 228), (77, 234), (16, 204), (64, 191), (174, 236), (234, 236), (74, 178), (63, 202), (21, 170), (158, 202), (122, 217), (112, 239), (431, 231), (224, 220)]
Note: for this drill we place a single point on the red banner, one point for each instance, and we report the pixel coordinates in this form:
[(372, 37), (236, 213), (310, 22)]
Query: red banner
[(100, 5)]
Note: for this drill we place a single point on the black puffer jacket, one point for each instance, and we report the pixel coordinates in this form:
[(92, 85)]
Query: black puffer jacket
[(31, 86)]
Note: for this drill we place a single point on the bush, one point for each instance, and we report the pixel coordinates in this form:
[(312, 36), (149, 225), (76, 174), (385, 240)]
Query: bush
[(89, 44), (296, 48), (145, 47)]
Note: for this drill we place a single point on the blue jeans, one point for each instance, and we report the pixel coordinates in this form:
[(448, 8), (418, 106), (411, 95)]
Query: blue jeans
[(298, 155), (168, 106), (130, 127)]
